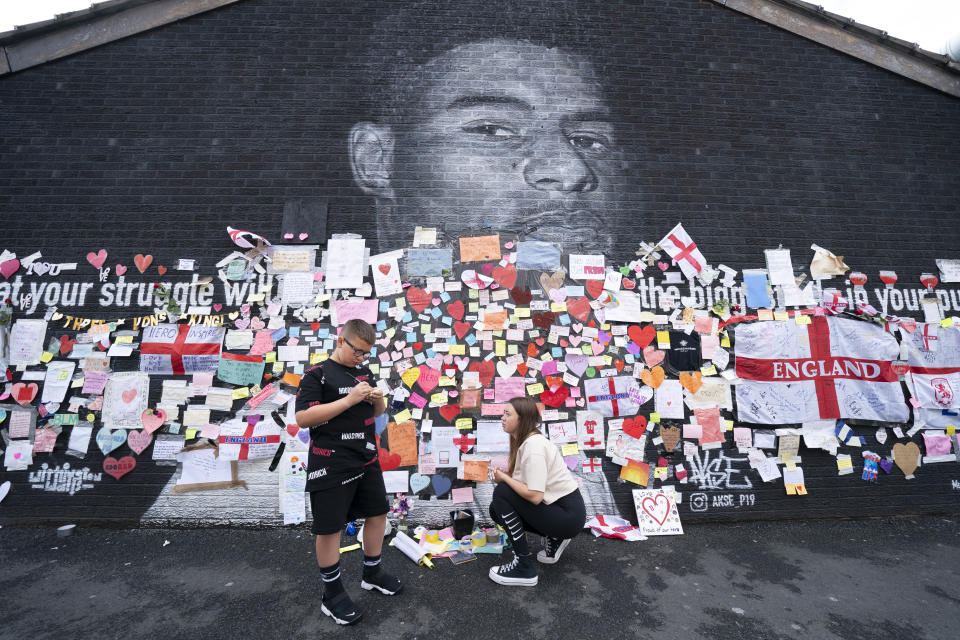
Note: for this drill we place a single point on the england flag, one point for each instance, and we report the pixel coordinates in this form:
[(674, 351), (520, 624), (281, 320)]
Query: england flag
[(680, 246), (934, 359), (831, 368)]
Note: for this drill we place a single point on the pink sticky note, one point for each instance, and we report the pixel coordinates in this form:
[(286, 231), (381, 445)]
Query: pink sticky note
[(549, 368), (462, 494), (418, 400)]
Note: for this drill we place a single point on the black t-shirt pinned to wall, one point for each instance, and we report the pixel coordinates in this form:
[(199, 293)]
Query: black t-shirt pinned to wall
[(684, 352), (341, 447)]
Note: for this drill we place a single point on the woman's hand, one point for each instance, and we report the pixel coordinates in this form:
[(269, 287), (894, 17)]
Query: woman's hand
[(492, 474)]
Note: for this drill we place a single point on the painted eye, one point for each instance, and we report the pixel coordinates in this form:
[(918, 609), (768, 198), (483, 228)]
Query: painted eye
[(489, 129), (588, 142)]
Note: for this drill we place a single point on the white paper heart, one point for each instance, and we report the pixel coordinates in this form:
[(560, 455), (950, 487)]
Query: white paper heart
[(881, 435), (505, 369)]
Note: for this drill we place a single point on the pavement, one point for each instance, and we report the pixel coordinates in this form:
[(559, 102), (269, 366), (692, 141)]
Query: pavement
[(855, 580)]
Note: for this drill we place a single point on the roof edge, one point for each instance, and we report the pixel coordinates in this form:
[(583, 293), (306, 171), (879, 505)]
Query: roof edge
[(70, 33), (860, 41)]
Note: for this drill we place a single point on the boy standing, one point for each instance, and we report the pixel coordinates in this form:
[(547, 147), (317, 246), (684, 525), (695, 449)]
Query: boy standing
[(338, 404)]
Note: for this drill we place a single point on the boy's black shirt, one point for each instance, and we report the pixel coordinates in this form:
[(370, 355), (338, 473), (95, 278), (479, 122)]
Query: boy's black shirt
[(341, 447)]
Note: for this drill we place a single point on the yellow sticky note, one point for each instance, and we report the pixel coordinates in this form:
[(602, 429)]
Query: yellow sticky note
[(190, 433), (725, 340), (802, 319), (439, 398), (951, 430), (570, 449), (605, 326), (663, 339), (270, 357), (654, 417), (801, 489), (63, 374), (241, 392), (946, 322), (728, 425), (473, 293), (500, 348), (781, 316), (546, 357), (400, 302), (586, 349), (403, 416), (425, 329), (255, 297), (278, 367), (708, 370), (534, 389), (791, 489), (317, 357), (788, 461), (464, 423), (844, 463), (458, 349), (522, 312), (765, 314), (607, 360), (473, 307), (46, 357), (558, 307), (447, 381), (124, 340), (77, 383)]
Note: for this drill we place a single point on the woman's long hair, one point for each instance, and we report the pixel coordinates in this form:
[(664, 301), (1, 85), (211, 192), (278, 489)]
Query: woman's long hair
[(528, 416)]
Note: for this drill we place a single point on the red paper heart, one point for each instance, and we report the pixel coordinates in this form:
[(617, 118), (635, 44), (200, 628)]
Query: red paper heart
[(635, 427), (418, 298), (388, 460), (385, 268), (543, 319), (595, 288), (532, 350), (619, 364), (461, 329), (315, 326), (521, 297), (522, 368), (119, 468), (486, 269), (641, 335), (24, 393), (858, 278), (456, 309), (161, 269), (418, 346), (142, 261), (450, 411), (293, 430), (628, 283), (486, 369), (66, 345), (556, 397), (553, 381), (506, 276), (579, 308)]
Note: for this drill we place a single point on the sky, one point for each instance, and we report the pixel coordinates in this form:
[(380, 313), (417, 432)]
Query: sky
[(929, 23)]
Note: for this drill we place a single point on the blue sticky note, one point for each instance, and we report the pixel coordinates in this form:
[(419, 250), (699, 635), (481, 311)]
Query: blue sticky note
[(381, 324), (431, 353), (556, 352), (294, 332), (756, 283), (407, 317), (411, 336), (435, 312), (419, 358), (471, 339), (323, 332), (564, 320), (279, 334), (447, 320), (380, 423), (445, 296), (628, 358), (384, 306), (452, 340)]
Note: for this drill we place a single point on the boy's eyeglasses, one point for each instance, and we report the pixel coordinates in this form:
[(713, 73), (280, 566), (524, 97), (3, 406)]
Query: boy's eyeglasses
[(358, 353)]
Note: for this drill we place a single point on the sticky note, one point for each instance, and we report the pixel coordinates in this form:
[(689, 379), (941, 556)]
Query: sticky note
[(570, 449), (241, 392), (802, 319), (403, 416), (464, 423), (654, 417), (781, 316)]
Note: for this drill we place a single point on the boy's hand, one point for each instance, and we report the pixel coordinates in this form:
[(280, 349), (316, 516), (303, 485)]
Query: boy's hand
[(359, 392), (375, 395)]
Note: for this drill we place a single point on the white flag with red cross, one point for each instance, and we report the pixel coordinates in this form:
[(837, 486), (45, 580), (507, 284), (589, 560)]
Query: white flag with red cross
[(934, 358), (248, 439), (611, 396), (831, 368), (179, 349), (680, 246)]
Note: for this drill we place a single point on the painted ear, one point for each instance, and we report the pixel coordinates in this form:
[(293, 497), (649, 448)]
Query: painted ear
[(371, 158)]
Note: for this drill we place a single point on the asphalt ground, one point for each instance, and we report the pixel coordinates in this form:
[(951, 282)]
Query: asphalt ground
[(855, 580)]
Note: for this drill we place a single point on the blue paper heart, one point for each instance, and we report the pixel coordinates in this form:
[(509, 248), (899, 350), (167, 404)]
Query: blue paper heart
[(380, 422), (418, 482), (441, 485)]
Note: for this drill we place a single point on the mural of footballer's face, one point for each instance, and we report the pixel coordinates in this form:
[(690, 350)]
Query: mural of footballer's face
[(497, 136)]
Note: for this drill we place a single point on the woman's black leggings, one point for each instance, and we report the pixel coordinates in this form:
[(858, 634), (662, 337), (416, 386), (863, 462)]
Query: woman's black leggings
[(564, 518)]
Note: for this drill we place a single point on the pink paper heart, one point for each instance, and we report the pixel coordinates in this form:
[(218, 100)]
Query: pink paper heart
[(288, 236), (120, 269), (97, 259), (508, 244), (9, 267), (304, 236), (558, 295), (139, 440), (663, 266), (575, 340), (652, 356), (436, 301), (242, 323), (597, 348), (256, 324)]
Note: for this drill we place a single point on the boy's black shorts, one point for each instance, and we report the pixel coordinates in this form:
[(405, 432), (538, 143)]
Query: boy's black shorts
[(365, 497)]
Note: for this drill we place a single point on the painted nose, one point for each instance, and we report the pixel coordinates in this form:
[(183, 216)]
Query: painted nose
[(555, 165)]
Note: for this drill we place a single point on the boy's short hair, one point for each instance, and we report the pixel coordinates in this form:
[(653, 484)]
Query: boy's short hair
[(359, 329)]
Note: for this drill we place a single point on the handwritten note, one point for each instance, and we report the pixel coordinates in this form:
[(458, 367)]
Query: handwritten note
[(402, 439), (587, 267), (344, 263), (479, 248)]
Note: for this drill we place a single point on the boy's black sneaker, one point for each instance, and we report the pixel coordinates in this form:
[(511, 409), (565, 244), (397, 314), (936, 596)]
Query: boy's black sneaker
[(552, 549), (518, 572), (341, 608), (382, 582)]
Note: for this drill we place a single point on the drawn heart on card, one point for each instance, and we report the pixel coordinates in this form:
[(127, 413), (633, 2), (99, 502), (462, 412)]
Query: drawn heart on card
[(388, 460), (670, 437), (543, 319), (456, 309), (521, 296), (506, 276), (552, 281), (635, 426), (119, 468), (142, 261), (576, 363), (657, 507), (594, 288), (242, 323), (24, 393), (450, 411), (652, 356), (109, 440), (97, 259), (429, 378), (441, 484), (385, 268), (555, 397), (691, 381), (505, 369), (66, 345), (579, 308), (9, 267), (641, 335), (129, 395), (257, 323), (652, 377), (418, 298), (418, 482), (486, 369), (139, 440), (907, 456)]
